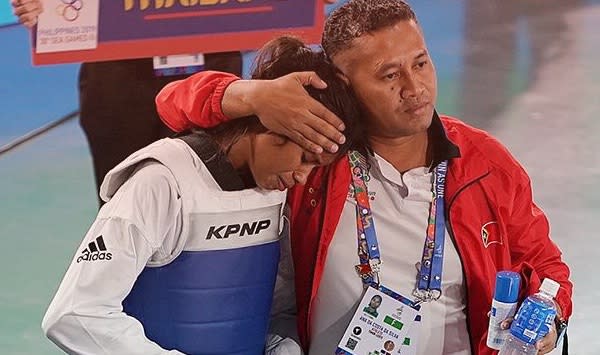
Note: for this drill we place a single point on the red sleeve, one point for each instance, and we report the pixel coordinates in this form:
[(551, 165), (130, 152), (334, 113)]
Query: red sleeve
[(529, 236), (194, 101)]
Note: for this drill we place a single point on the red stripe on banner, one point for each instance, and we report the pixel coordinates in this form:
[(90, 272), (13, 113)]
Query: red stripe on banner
[(174, 15)]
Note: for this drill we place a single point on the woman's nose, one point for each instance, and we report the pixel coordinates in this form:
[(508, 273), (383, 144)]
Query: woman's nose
[(301, 174), (300, 177)]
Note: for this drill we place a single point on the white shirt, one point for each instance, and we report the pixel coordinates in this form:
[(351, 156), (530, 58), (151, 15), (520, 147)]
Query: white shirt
[(400, 205)]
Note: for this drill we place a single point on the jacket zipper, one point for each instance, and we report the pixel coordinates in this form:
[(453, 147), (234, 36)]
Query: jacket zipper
[(462, 264)]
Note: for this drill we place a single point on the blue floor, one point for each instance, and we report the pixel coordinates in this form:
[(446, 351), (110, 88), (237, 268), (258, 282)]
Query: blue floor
[(526, 70)]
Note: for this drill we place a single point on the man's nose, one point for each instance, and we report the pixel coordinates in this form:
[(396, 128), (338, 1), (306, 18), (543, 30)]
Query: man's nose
[(412, 87)]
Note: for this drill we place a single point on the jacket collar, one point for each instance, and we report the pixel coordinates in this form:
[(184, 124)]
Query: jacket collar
[(443, 147), (451, 142), (471, 164)]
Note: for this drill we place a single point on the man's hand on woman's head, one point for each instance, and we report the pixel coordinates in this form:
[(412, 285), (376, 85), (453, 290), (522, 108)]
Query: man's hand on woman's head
[(284, 106)]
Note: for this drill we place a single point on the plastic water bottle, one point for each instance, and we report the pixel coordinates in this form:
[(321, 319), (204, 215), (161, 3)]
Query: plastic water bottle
[(504, 305), (533, 321)]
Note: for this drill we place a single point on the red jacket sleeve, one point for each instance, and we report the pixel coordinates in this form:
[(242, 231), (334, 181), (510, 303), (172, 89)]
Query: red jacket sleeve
[(529, 238), (194, 101)]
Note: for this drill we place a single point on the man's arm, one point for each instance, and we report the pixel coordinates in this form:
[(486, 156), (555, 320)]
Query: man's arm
[(529, 237), (195, 101), (529, 242), (282, 105)]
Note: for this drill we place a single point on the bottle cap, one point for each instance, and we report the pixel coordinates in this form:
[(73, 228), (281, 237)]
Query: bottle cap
[(507, 286), (550, 287)]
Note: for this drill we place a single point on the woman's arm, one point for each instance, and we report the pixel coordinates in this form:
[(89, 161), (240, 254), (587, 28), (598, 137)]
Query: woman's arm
[(86, 314)]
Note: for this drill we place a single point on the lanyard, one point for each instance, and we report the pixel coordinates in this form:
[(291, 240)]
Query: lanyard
[(429, 284), (430, 273), (368, 248)]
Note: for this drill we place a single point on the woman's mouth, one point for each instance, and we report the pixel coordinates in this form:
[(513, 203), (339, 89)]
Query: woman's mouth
[(280, 184)]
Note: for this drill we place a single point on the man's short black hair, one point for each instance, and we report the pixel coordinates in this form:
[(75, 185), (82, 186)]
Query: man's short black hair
[(359, 17)]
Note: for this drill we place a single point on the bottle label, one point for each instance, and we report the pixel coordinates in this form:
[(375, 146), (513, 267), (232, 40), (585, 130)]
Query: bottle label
[(533, 321), (500, 312)]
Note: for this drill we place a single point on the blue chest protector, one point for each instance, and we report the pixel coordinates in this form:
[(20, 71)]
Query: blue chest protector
[(214, 301)]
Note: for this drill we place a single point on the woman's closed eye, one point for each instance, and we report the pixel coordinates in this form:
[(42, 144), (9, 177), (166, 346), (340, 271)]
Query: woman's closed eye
[(311, 158)]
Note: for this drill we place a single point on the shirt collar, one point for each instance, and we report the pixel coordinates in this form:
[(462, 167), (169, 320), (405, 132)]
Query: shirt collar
[(443, 148)]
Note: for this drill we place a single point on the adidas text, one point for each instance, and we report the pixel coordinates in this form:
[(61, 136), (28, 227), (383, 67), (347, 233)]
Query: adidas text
[(94, 257)]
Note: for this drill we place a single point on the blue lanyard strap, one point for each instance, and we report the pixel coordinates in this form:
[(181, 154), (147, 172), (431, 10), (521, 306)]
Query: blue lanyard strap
[(429, 284), (430, 274), (368, 247)]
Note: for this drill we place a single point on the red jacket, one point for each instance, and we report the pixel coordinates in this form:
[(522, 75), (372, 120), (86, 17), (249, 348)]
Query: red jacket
[(485, 184)]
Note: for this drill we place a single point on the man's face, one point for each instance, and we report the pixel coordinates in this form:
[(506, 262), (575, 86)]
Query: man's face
[(394, 79)]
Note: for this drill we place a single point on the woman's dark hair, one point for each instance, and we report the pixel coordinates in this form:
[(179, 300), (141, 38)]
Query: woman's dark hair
[(286, 55)]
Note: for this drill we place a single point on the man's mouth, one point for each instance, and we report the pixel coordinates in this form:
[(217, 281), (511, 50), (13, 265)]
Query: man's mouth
[(417, 109)]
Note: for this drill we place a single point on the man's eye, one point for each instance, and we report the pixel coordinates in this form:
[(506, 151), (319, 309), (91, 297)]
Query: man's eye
[(391, 76), (421, 64)]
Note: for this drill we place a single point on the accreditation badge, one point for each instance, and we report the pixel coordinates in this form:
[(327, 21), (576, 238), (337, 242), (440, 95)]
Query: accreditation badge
[(179, 64), (382, 325)]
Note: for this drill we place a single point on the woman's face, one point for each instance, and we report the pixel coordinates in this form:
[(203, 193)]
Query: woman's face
[(277, 163)]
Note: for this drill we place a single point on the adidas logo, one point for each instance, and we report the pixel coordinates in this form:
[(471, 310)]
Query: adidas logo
[(95, 251)]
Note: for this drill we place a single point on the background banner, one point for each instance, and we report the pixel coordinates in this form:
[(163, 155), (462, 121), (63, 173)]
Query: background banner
[(85, 30)]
